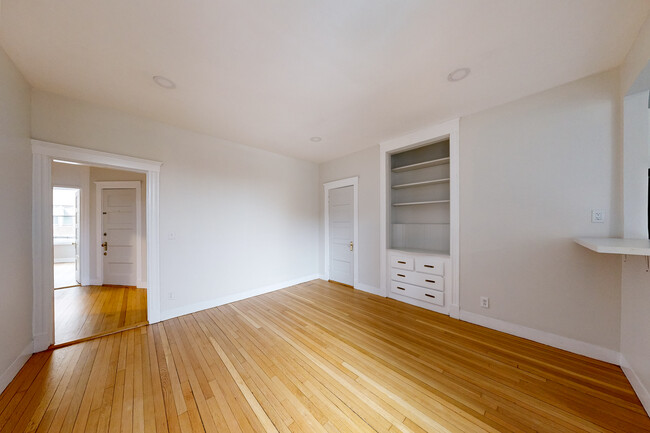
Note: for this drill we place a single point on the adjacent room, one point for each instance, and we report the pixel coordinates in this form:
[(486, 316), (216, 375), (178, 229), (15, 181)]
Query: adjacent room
[(325, 216), (99, 251)]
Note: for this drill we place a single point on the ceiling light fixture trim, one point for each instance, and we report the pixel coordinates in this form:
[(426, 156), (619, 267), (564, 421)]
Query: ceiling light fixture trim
[(316, 139), (164, 82), (458, 74)]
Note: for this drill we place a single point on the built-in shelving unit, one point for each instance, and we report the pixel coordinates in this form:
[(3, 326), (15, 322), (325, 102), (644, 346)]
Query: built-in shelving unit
[(419, 238), (419, 196)]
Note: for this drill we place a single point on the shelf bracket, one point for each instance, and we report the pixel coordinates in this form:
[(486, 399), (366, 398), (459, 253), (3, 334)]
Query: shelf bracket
[(624, 258), (647, 263)]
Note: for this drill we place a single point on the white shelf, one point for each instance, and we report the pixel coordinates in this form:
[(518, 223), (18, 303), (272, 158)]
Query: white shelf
[(421, 251), (419, 165), (633, 247), (415, 203), (421, 224), (426, 182)]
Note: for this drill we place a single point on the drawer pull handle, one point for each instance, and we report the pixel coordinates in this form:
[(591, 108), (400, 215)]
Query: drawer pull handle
[(429, 266), (430, 296), (401, 262), (401, 275), (401, 288), (430, 281)]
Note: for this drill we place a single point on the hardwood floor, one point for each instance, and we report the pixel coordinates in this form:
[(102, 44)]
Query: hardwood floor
[(85, 311), (317, 357)]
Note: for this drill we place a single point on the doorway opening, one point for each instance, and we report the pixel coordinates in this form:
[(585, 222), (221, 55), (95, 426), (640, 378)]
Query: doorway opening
[(99, 289), (44, 155), (66, 230)]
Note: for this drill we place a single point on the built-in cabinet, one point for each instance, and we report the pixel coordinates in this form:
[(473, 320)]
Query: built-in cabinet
[(419, 199)]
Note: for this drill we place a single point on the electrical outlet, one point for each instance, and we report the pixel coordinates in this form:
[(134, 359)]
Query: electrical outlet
[(171, 296), (171, 236), (485, 302), (597, 216)]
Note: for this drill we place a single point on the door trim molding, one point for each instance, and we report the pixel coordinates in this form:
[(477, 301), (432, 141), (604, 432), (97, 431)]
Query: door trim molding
[(43, 153), (100, 186), (353, 182)]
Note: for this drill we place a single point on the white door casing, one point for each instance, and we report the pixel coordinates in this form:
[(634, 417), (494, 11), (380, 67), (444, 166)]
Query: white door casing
[(341, 234), (354, 182), (43, 153), (119, 236)]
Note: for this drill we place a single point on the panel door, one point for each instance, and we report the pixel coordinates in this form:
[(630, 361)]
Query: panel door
[(119, 236), (341, 232)]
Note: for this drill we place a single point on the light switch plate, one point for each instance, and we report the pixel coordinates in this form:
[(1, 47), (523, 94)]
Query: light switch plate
[(597, 216)]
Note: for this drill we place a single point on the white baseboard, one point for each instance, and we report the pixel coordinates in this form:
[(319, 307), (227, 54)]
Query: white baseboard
[(8, 375), (368, 288), (640, 389), (193, 308), (558, 341), (454, 311), (95, 282), (41, 342), (141, 284)]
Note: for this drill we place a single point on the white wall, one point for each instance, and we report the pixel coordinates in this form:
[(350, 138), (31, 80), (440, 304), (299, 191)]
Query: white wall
[(69, 175), (635, 283), (364, 164), (243, 218), (635, 325), (531, 171), (16, 217), (636, 160)]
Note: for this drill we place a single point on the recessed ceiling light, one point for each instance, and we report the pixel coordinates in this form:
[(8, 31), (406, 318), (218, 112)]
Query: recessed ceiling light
[(459, 74), (164, 82), (316, 139)]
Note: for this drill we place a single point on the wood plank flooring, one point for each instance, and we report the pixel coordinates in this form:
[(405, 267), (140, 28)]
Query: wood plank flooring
[(317, 357), (85, 311)]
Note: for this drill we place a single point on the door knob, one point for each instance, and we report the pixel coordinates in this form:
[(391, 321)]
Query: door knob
[(351, 245), (105, 245)]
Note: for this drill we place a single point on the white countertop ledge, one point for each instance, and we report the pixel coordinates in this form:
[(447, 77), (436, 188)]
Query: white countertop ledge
[(633, 247)]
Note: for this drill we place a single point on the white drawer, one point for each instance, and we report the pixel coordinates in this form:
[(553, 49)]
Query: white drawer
[(430, 265), (416, 292), (401, 262), (424, 280)]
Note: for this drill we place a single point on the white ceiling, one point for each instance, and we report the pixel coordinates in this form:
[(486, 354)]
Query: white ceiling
[(273, 73)]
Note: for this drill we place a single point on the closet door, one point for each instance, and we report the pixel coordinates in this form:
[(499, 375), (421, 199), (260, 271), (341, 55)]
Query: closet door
[(341, 229)]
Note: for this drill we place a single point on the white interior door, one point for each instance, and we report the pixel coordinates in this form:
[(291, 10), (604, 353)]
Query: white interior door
[(77, 236), (119, 236), (341, 233)]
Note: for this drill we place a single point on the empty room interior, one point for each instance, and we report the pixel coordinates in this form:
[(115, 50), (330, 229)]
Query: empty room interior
[(322, 216)]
